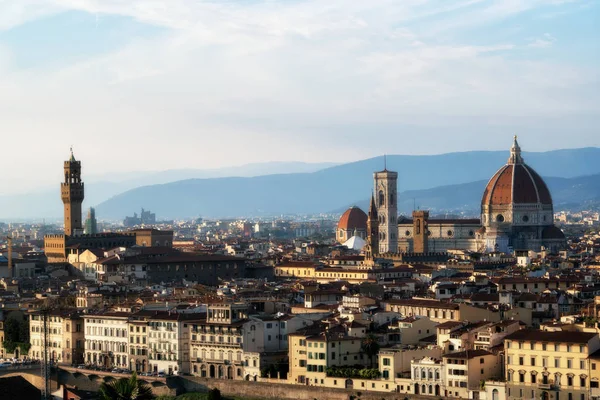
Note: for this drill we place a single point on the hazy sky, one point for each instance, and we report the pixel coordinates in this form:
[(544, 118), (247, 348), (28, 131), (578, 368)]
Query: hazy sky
[(163, 84)]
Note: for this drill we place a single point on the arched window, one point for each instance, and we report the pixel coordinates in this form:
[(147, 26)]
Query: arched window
[(381, 198)]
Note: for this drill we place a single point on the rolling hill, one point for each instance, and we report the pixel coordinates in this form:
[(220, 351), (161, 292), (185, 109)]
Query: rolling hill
[(452, 181)]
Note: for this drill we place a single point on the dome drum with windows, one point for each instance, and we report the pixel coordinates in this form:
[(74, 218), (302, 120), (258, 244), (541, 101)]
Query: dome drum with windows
[(517, 204)]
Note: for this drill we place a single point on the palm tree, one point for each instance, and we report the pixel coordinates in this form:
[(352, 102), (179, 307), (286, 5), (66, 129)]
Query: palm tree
[(126, 389), (370, 346)]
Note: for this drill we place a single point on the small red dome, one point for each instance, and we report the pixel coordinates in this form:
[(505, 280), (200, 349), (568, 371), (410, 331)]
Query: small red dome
[(353, 218)]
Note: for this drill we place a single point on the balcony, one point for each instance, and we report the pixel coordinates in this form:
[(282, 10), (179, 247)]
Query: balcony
[(239, 363), (199, 342), (547, 386)]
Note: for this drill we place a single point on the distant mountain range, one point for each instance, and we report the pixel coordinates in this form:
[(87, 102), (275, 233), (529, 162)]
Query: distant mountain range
[(465, 198), (447, 182), (452, 181), (98, 188)]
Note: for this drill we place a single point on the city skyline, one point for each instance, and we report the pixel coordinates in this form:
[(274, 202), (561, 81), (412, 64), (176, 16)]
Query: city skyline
[(206, 85)]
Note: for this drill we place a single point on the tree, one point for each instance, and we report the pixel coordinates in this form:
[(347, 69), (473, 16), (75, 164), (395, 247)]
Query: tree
[(12, 330), (126, 389), (214, 394), (370, 346)]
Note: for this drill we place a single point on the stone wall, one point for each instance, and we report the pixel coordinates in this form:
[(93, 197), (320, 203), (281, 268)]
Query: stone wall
[(261, 390), (253, 390), (31, 377), (71, 377)]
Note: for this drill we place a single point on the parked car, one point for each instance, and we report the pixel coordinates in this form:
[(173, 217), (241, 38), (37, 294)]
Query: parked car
[(5, 364)]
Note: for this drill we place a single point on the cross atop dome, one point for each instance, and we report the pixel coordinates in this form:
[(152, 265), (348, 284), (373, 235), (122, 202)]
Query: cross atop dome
[(515, 153)]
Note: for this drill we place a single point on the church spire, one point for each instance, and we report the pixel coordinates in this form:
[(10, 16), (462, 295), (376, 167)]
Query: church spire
[(72, 159), (515, 153), (372, 208)]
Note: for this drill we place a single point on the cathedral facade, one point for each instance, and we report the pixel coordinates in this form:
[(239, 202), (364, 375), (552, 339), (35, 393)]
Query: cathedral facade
[(516, 214)]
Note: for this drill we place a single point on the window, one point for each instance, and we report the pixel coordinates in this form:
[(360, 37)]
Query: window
[(569, 364), (557, 363), (533, 361), (521, 361), (386, 361), (582, 382)]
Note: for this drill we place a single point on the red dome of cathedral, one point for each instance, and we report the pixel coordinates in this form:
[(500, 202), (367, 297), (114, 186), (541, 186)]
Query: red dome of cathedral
[(516, 183), (353, 218)]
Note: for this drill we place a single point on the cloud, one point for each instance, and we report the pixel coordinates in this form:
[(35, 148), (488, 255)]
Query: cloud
[(231, 82), (544, 42)]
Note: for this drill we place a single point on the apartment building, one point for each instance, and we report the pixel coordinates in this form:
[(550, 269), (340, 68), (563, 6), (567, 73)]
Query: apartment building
[(463, 372), (65, 336), (311, 352), (107, 339), (550, 364), (534, 285), (440, 311), (138, 341), (414, 329), (493, 335), (427, 376), (216, 343), (168, 342)]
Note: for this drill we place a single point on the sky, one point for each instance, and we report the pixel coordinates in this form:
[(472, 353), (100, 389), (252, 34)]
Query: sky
[(165, 84)]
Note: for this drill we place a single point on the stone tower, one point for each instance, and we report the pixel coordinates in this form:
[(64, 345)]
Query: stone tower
[(72, 196), (421, 232), (372, 231), (386, 201)]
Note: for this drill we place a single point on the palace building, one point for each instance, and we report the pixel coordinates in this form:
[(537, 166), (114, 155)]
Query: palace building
[(58, 247)]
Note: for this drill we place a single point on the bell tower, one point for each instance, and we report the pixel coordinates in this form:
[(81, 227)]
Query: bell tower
[(386, 201), (71, 191), (421, 232)]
